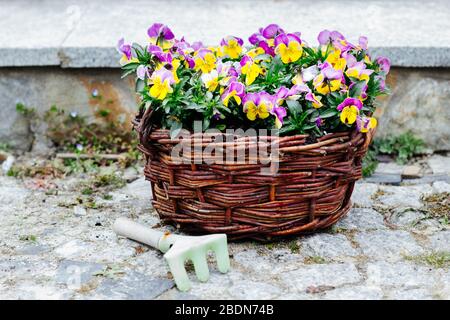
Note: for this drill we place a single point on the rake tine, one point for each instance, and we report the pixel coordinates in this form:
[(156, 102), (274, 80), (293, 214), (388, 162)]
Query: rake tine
[(176, 265), (220, 249), (200, 265)]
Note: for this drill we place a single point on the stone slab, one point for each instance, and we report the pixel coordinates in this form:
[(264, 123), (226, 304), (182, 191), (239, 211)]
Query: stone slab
[(321, 275), (401, 275), (439, 164), (133, 286), (84, 34), (76, 273), (441, 241), (328, 246), (384, 178), (362, 194), (355, 293), (362, 219), (388, 245)]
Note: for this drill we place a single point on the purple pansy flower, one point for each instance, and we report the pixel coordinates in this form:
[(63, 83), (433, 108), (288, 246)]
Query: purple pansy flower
[(310, 73), (311, 97), (364, 124), (350, 102), (265, 35), (381, 82), (124, 48), (279, 113), (271, 31), (157, 30), (363, 94), (184, 50), (286, 38), (142, 72), (384, 63), (284, 93), (325, 37), (359, 71), (232, 46), (197, 45), (318, 121), (329, 72), (226, 40), (235, 90), (363, 42), (162, 56)]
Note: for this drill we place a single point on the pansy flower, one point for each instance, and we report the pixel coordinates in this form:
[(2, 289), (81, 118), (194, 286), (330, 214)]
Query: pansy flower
[(328, 80), (210, 80), (255, 52), (142, 72), (336, 61), (161, 81), (307, 74), (363, 42), (289, 47), (364, 124), (358, 71), (349, 110), (185, 52), (250, 69), (235, 90), (157, 51), (265, 38), (125, 50), (381, 82), (326, 37), (384, 63), (161, 35), (335, 38), (363, 95), (257, 105), (173, 68), (318, 121), (225, 72), (284, 93), (315, 101), (279, 113), (205, 60), (232, 46)]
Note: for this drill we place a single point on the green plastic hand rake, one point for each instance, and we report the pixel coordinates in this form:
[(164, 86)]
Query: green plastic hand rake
[(179, 249)]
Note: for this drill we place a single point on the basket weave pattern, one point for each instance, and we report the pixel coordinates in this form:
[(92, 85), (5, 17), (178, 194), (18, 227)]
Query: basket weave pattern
[(310, 191)]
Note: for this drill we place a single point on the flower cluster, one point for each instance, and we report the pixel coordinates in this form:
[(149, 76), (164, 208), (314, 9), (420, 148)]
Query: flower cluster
[(278, 81)]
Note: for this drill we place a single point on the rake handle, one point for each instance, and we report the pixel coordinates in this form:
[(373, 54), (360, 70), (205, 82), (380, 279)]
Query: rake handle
[(132, 230)]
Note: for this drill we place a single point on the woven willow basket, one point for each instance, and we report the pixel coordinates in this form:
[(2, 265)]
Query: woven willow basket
[(310, 191)]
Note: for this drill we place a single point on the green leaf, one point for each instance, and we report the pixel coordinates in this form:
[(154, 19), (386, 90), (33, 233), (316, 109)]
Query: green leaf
[(329, 113), (175, 129), (309, 126), (221, 127), (140, 85), (357, 89), (206, 123), (294, 106)]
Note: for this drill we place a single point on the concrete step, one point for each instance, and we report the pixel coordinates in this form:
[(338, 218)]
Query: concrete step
[(60, 33)]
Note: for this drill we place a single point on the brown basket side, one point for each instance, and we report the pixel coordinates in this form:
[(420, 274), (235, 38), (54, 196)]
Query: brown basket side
[(310, 191)]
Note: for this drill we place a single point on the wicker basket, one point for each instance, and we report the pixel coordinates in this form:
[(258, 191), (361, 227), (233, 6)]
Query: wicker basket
[(311, 190)]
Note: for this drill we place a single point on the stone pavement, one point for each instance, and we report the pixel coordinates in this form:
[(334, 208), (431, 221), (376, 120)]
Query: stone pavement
[(394, 244)]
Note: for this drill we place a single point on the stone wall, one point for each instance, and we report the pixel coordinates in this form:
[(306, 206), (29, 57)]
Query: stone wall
[(420, 101), (84, 91)]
